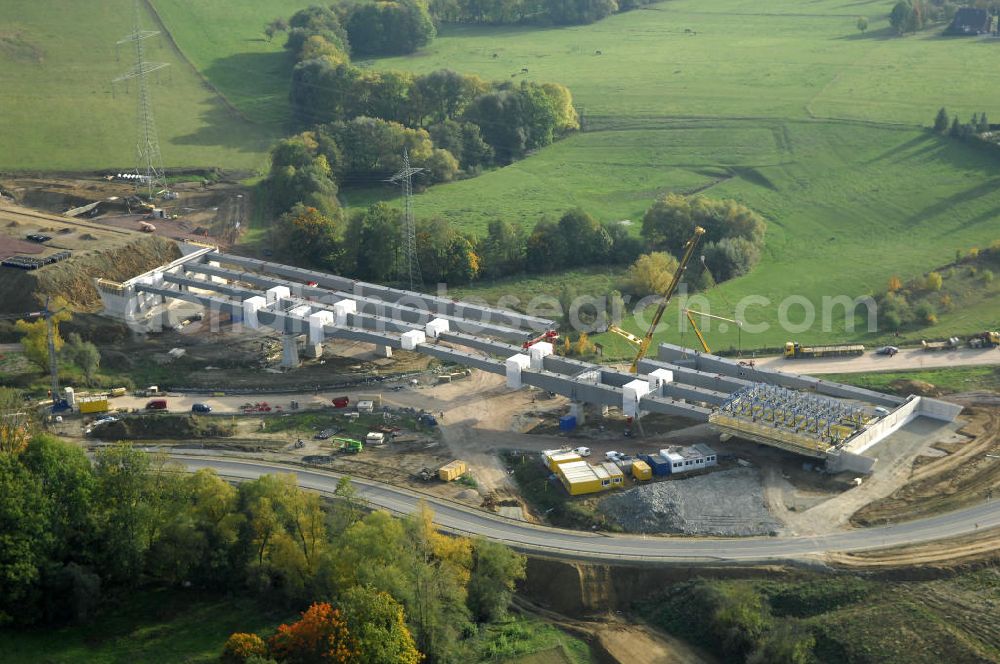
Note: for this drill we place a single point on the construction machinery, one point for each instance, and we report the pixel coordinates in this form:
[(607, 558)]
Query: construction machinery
[(550, 336), (985, 340), (701, 338), (348, 445), (795, 350), (644, 343)]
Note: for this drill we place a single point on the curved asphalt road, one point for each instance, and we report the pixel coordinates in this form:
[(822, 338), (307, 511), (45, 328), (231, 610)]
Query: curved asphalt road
[(527, 537)]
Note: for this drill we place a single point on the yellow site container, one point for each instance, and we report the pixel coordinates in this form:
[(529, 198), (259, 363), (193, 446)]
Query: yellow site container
[(452, 470), (94, 405), (580, 478), (641, 470), (555, 458)]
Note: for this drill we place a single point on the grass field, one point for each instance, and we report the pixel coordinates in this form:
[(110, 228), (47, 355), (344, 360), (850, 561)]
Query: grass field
[(949, 380), (785, 107), (153, 626), (227, 44), (57, 61)]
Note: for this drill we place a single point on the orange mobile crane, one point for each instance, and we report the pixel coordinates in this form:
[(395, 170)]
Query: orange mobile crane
[(644, 343)]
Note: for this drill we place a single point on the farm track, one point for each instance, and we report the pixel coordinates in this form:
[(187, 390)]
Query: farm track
[(17, 211)]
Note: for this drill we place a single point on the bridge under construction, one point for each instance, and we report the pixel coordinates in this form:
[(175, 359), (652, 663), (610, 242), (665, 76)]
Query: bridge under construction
[(807, 416)]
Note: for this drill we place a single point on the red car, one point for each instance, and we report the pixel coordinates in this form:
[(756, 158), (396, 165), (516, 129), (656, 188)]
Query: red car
[(157, 404), (341, 402)]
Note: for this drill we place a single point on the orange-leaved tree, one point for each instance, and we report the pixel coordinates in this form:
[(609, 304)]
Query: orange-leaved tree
[(320, 636)]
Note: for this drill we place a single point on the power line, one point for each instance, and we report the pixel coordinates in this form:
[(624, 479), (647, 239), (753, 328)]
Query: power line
[(149, 162), (411, 266)]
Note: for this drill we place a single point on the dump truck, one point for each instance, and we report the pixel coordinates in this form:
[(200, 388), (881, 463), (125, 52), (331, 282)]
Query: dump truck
[(794, 349), (347, 445), (947, 344), (985, 340)]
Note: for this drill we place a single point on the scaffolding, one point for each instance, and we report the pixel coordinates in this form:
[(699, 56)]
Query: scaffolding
[(796, 421)]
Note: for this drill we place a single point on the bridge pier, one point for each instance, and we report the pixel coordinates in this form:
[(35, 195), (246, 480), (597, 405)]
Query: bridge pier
[(289, 351)]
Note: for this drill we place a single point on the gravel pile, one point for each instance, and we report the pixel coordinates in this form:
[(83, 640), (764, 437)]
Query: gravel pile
[(728, 503)]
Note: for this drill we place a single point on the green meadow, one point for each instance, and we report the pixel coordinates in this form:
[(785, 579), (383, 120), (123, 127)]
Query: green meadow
[(784, 106), (61, 113)]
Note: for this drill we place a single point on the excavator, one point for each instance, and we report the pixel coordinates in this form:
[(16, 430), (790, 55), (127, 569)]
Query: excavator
[(644, 343)]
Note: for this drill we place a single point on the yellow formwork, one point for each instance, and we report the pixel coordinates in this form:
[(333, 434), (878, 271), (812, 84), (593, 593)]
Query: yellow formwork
[(778, 437)]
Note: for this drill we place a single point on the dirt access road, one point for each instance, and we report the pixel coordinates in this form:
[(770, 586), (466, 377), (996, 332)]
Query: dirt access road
[(910, 359)]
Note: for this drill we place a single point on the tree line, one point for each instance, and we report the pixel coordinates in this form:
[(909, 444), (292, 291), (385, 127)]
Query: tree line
[(977, 125), (367, 243), (75, 531), (366, 28), (539, 12), (914, 15)]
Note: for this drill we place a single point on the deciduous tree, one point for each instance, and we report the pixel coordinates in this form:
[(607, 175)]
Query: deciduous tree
[(495, 571), (16, 422), (35, 341), (378, 627), (650, 274), (320, 636), (241, 646)]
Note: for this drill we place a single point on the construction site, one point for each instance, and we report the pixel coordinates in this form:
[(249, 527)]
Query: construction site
[(473, 408), (494, 378)]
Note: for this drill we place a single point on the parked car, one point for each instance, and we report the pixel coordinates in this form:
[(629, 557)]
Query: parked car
[(157, 404), (583, 451), (201, 408), (105, 418), (612, 455), (326, 433), (341, 402), (887, 350)]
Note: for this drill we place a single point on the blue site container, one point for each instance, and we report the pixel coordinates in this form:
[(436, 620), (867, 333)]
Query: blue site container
[(657, 464), (567, 422)]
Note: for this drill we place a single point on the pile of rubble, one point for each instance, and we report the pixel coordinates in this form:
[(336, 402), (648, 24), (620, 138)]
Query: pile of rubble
[(728, 503)]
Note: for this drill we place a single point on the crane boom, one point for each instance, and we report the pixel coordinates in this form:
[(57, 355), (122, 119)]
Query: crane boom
[(694, 326), (645, 342), (690, 316)]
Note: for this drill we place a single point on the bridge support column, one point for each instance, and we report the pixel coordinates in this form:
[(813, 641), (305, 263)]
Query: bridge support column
[(577, 411), (383, 351), (289, 351), (314, 350)]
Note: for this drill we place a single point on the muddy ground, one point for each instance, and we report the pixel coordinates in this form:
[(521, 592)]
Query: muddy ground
[(205, 209)]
